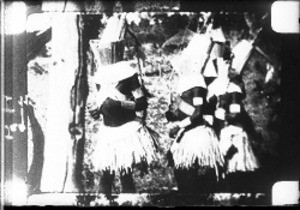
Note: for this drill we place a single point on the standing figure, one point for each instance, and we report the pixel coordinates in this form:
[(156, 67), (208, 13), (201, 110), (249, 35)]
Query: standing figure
[(233, 126), (195, 150), (195, 153), (123, 139)]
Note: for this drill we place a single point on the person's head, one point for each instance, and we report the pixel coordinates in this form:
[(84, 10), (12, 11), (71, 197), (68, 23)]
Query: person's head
[(117, 8)]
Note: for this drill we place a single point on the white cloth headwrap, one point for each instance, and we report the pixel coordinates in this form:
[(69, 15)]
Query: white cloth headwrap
[(193, 56), (219, 85), (241, 53), (217, 35), (192, 80), (112, 74), (109, 76)]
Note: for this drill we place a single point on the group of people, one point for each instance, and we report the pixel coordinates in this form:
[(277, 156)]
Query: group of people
[(211, 129), (210, 133)]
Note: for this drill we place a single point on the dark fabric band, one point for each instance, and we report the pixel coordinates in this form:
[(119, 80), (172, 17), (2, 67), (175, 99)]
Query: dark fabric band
[(128, 105), (210, 106), (199, 92), (236, 98), (197, 117), (114, 114), (141, 104), (129, 84), (132, 82), (188, 95), (224, 101)]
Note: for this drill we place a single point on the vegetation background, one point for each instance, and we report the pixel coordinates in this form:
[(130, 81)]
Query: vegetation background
[(153, 29)]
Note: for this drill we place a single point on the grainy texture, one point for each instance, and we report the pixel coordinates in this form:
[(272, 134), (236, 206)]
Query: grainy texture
[(261, 102)]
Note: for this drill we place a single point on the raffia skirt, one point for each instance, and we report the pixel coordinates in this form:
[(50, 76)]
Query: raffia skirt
[(200, 146), (244, 159), (120, 148)]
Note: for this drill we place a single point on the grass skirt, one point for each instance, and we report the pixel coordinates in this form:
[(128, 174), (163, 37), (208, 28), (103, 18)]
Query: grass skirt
[(120, 148), (200, 146), (243, 159)]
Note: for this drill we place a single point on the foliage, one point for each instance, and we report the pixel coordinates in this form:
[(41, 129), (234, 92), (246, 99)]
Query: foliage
[(153, 30)]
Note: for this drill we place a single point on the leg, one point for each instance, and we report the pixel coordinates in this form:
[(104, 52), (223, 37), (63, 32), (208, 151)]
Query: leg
[(230, 182), (192, 179), (127, 182), (210, 180), (106, 182), (179, 177), (250, 184), (186, 179), (207, 180), (237, 182)]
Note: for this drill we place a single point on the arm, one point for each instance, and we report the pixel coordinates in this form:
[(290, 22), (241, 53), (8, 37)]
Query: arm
[(198, 95), (235, 95), (235, 106), (221, 107), (139, 102)]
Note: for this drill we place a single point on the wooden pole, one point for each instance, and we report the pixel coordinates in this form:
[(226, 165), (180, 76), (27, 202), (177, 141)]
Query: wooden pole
[(15, 86)]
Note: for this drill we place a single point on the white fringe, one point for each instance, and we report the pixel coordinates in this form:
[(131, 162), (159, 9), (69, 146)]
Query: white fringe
[(200, 142), (244, 160), (118, 148)]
